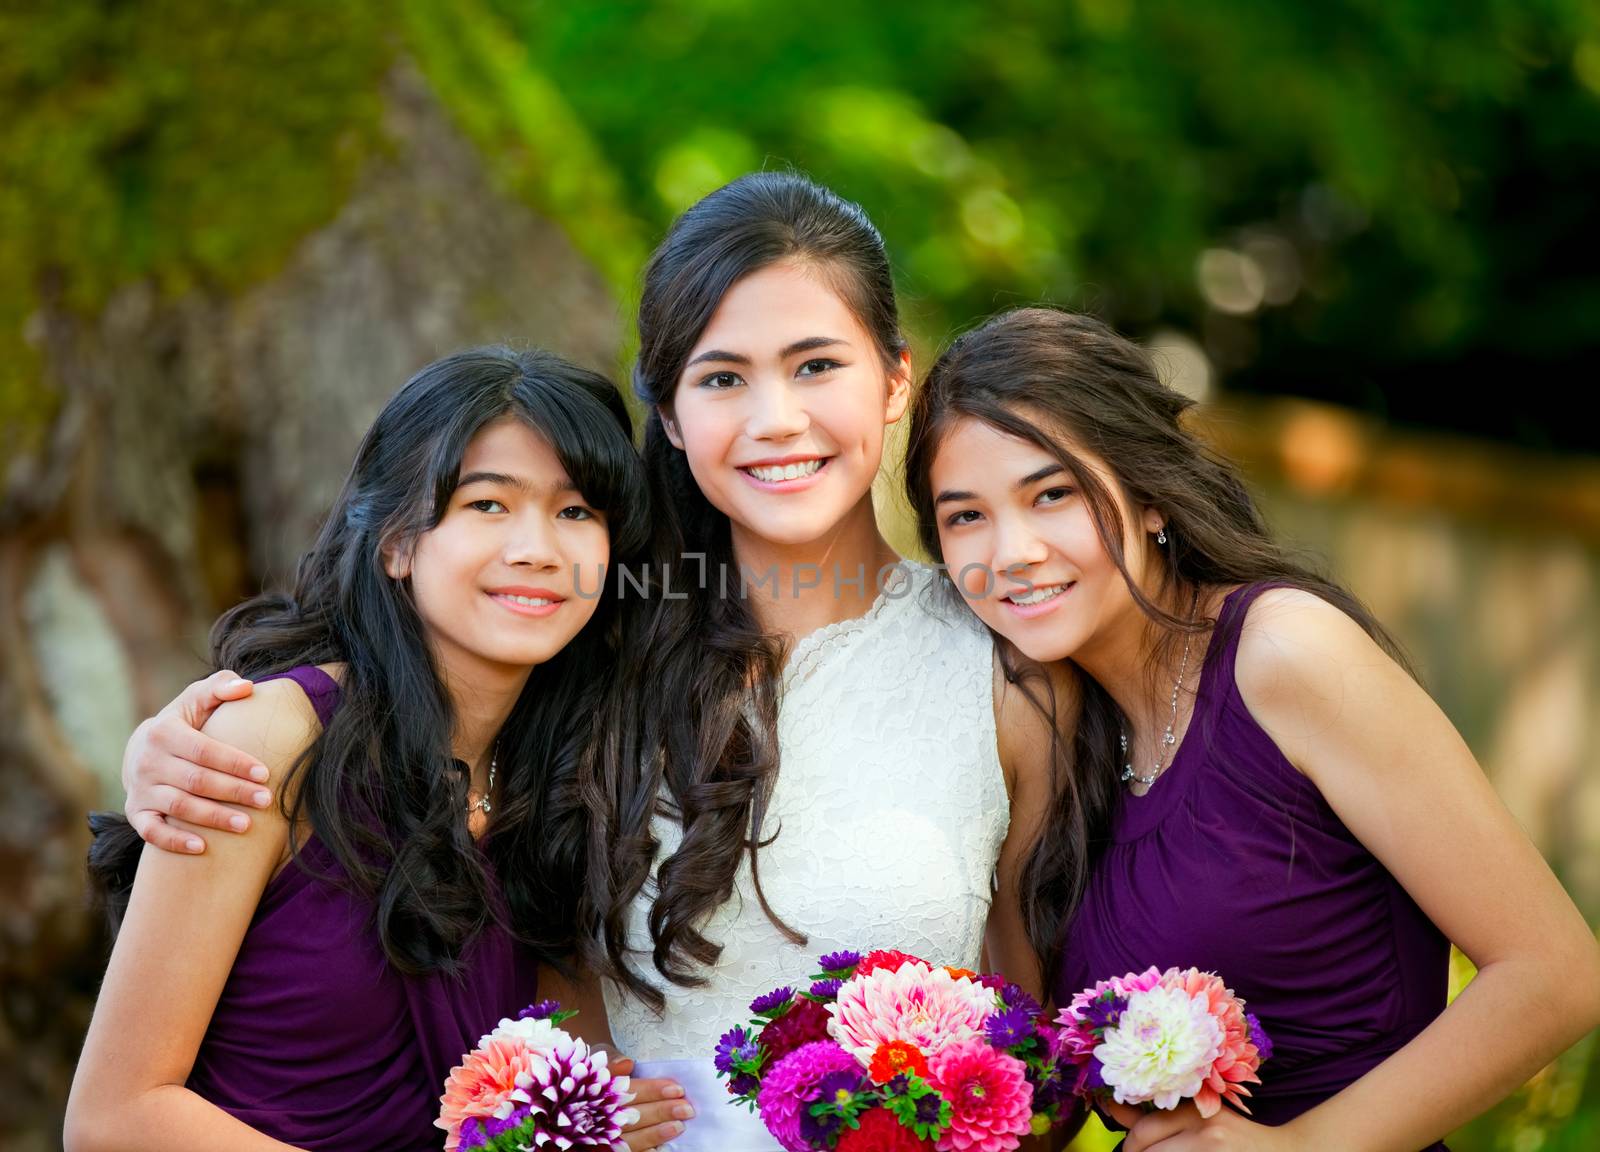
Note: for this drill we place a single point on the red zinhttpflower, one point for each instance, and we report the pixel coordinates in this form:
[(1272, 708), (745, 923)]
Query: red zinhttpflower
[(896, 1057), (880, 1131), (887, 958)]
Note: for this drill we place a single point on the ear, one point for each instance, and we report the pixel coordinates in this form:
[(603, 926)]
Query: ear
[(900, 378), (1153, 520), (396, 560), (670, 425)]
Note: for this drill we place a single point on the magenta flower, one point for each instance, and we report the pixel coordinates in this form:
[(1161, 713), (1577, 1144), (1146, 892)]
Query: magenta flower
[(791, 1086)]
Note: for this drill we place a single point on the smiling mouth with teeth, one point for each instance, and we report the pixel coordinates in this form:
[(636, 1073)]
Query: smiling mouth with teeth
[(777, 473), (1039, 594)]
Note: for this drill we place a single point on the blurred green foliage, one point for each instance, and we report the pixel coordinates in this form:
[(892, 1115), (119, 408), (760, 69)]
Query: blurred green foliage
[(1424, 168)]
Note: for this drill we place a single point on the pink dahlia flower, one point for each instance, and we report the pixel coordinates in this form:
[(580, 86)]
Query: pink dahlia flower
[(490, 1082), (1238, 1058), (925, 1007), (790, 1086), (991, 1103)]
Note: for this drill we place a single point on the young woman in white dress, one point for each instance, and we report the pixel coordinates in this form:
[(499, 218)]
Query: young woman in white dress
[(814, 748)]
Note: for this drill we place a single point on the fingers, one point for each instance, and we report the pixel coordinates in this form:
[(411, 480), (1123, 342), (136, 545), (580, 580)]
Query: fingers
[(653, 1137), (1156, 1127), (199, 700), (649, 1091), (153, 829), (175, 737), (661, 1113), (182, 804)]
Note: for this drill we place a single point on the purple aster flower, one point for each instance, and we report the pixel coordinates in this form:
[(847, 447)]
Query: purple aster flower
[(472, 1133), (772, 1002), (735, 1047), (839, 961), (1258, 1036), (826, 989), (928, 1108), (818, 1131), (898, 1084), (1008, 1028), (1105, 1011), (543, 1010), (743, 1085), (1015, 998), (838, 1088), (1094, 1075)]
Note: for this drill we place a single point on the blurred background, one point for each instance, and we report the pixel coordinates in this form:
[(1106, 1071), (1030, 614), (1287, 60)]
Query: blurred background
[(228, 231)]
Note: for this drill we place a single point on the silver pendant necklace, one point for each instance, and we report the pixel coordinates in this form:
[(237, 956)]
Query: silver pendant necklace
[(482, 803), (1168, 738)]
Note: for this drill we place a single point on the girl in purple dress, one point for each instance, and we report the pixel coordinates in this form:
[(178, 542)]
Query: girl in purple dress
[(311, 984), (1255, 785)]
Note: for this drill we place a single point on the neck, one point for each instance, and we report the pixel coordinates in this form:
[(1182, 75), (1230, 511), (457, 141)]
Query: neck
[(794, 589), (1119, 656), (482, 698)]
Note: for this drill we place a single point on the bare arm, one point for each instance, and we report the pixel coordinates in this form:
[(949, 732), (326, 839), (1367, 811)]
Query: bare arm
[(172, 771), (1403, 781), (185, 922)]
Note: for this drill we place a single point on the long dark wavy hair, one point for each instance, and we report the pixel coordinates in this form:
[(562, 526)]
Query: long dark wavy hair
[(694, 731), (379, 787), (1043, 376)]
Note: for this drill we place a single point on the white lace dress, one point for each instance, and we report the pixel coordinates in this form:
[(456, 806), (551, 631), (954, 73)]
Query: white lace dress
[(889, 807)]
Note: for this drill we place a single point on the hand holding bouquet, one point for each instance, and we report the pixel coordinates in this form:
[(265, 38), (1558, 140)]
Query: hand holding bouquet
[(887, 1053), (530, 1085), (1157, 1038)]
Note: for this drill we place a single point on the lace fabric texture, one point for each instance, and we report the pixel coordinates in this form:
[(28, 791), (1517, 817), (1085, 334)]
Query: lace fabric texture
[(889, 807)]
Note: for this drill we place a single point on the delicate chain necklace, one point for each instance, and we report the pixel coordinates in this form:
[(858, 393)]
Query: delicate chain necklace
[(482, 804), (1168, 738)]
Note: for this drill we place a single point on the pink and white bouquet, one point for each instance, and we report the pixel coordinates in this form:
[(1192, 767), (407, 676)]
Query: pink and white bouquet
[(531, 1085), (888, 1053), (1157, 1038)]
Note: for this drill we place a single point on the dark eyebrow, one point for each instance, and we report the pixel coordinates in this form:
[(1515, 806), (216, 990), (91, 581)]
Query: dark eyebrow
[(517, 482), (1035, 477), (953, 497), (809, 344), (720, 356)]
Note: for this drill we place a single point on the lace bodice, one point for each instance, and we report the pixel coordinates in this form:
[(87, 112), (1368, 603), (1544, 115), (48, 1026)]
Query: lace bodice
[(889, 808)]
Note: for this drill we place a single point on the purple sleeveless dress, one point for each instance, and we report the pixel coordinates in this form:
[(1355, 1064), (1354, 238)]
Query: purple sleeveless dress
[(316, 1040), (1234, 863)]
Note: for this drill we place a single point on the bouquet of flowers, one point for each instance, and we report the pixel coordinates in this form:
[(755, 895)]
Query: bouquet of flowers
[(888, 1053), (530, 1085), (1157, 1038)]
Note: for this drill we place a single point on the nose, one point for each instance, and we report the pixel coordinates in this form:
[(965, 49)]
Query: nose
[(533, 543), (777, 412), (1016, 546)]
